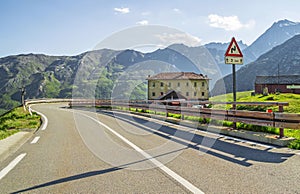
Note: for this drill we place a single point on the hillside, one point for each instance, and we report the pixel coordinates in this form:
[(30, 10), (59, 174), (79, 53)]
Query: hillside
[(102, 73), (292, 99), (42, 76), (285, 56)]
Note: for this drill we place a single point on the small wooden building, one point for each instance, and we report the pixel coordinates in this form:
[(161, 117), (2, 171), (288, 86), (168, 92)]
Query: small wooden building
[(282, 84)]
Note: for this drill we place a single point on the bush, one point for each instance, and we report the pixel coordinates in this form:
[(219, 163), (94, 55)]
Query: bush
[(295, 144), (5, 133), (252, 108)]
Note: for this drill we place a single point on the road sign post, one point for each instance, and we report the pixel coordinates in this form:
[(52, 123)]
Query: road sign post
[(23, 97), (233, 56)]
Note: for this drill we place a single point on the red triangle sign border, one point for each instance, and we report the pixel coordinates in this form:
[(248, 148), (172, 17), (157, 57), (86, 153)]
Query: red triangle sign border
[(228, 54)]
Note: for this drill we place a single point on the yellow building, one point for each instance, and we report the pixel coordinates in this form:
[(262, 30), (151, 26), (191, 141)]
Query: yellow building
[(178, 85)]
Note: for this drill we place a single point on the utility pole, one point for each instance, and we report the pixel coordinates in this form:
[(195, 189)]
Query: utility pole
[(23, 97)]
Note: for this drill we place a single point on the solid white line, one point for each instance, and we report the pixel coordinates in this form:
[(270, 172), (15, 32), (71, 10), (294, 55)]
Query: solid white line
[(35, 140), (30, 111), (11, 165), (171, 173), (45, 123)]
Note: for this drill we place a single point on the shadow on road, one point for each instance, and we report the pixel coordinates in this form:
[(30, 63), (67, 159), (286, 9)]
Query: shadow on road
[(219, 147), (67, 179), (88, 174), (248, 154)]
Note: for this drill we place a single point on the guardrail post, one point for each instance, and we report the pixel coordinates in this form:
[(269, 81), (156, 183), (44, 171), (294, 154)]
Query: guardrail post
[(281, 130), (234, 109)]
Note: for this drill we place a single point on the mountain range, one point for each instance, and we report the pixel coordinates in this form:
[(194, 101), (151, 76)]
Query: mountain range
[(277, 34), (99, 73), (281, 60), (122, 74)]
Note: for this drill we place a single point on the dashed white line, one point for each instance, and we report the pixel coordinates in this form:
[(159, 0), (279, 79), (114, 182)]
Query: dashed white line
[(35, 140), (11, 165), (168, 171)]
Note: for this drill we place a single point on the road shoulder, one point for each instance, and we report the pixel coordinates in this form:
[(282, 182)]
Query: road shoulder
[(12, 143)]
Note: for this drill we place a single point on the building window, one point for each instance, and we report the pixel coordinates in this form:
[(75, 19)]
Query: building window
[(203, 94), (195, 84), (187, 93), (153, 84), (203, 84), (178, 84), (169, 84), (187, 83), (161, 93), (161, 84), (195, 93), (153, 93)]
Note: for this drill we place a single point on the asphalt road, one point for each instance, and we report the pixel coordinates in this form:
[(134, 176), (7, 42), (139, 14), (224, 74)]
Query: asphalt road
[(84, 152)]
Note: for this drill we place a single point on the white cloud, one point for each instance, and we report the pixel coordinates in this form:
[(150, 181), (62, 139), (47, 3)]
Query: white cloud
[(176, 10), (122, 10), (228, 23), (143, 22), (173, 38)]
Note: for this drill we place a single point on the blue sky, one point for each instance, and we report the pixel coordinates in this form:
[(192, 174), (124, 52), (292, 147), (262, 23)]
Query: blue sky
[(65, 27)]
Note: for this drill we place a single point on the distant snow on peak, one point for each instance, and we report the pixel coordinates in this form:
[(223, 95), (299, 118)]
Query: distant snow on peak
[(285, 23), (277, 34)]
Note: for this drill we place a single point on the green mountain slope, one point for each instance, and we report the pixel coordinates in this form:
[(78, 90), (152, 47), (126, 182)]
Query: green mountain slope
[(96, 74)]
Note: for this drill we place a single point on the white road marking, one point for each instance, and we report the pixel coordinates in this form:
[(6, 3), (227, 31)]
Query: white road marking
[(171, 173), (285, 158), (35, 140), (11, 165), (249, 142), (45, 123), (30, 111)]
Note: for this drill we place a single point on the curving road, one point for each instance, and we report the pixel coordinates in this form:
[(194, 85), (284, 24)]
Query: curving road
[(83, 152)]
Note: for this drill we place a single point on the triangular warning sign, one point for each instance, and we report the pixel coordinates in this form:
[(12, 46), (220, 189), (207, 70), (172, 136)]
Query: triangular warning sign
[(233, 49)]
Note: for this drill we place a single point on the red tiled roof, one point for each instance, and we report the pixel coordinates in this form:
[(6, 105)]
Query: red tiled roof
[(177, 76)]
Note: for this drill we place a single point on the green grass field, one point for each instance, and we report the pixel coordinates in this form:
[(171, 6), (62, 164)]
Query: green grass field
[(294, 107), (16, 120), (292, 99)]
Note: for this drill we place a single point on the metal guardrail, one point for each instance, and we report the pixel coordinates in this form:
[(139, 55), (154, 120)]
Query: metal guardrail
[(278, 119)]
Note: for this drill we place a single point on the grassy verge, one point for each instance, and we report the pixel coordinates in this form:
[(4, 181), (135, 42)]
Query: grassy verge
[(16, 120), (292, 99), (294, 107)]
